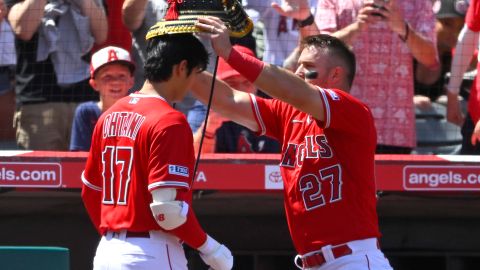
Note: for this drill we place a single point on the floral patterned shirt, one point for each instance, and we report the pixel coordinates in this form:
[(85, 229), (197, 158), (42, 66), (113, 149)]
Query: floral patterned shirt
[(385, 78)]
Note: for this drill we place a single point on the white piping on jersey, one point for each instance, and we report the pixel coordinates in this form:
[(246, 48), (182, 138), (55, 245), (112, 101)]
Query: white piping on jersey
[(259, 117), (327, 107), (148, 96), (168, 184), (88, 184)]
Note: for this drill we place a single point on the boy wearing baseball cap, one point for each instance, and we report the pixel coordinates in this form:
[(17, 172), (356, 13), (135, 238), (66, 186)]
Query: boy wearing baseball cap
[(111, 74)]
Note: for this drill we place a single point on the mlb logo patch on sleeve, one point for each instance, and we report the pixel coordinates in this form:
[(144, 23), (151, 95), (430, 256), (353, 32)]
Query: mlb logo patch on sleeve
[(178, 170)]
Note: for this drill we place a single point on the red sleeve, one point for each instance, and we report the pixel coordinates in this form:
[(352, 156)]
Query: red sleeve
[(473, 16), (190, 232), (92, 202), (268, 114), (171, 157), (347, 114), (91, 179), (170, 164)]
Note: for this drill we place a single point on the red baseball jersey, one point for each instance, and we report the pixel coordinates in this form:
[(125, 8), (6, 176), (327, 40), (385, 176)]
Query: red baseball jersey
[(327, 169), (473, 22), (141, 143)]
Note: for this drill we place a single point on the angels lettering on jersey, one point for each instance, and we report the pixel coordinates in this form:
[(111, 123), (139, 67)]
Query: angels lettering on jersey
[(313, 147)]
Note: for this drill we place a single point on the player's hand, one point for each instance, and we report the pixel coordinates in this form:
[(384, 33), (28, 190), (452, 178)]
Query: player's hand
[(216, 255), (215, 29), (297, 9)]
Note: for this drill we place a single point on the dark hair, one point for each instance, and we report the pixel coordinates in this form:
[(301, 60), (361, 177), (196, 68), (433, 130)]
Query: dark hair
[(335, 48), (163, 52)]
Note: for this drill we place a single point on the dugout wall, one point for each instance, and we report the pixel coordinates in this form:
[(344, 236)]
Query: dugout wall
[(425, 224)]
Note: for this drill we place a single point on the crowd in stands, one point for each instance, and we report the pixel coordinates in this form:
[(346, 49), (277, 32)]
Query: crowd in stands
[(403, 48)]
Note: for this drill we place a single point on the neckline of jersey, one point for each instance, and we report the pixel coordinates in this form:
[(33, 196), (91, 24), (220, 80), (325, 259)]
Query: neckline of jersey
[(140, 95)]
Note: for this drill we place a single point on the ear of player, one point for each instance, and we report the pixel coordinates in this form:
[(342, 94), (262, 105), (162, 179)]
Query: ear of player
[(182, 15)]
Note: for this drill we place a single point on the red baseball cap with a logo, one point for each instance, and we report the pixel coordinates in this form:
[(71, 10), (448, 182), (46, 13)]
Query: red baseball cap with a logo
[(110, 55)]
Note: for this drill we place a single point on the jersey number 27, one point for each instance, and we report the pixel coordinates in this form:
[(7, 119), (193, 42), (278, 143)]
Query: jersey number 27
[(311, 187)]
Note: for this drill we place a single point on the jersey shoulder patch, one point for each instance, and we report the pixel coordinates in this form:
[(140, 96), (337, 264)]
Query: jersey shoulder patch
[(178, 170)]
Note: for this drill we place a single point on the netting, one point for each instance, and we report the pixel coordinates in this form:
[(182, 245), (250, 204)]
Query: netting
[(396, 76)]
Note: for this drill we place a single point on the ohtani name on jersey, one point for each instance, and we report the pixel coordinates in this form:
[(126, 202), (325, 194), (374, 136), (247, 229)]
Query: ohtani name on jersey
[(314, 147), (122, 124)]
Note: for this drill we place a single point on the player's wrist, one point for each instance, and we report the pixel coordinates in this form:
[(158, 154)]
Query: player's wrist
[(209, 246), (216, 255), (249, 66)]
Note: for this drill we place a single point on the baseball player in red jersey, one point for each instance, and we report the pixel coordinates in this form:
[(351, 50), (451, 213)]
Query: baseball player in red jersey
[(138, 176), (468, 41), (328, 143)]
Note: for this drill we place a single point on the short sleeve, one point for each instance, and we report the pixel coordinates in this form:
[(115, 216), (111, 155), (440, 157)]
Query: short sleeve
[(270, 115), (171, 157), (344, 112)]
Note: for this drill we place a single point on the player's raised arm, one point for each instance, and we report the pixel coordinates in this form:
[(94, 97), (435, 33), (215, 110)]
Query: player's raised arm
[(275, 81), (231, 103)]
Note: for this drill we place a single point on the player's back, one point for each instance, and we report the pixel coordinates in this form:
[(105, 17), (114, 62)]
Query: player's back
[(134, 144)]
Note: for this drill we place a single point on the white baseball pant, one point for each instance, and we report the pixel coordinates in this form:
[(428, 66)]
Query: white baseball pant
[(365, 256), (116, 251)]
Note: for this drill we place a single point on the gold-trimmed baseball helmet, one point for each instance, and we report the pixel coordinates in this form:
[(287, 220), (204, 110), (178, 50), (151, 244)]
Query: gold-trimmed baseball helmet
[(182, 15)]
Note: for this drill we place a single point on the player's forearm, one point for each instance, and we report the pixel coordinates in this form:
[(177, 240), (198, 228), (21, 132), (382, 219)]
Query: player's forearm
[(25, 17), (223, 95), (191, 232), (92, 201), (230, 103), (292, 89), (423, 50), (278, 82), (466, 44), (133, 13)]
